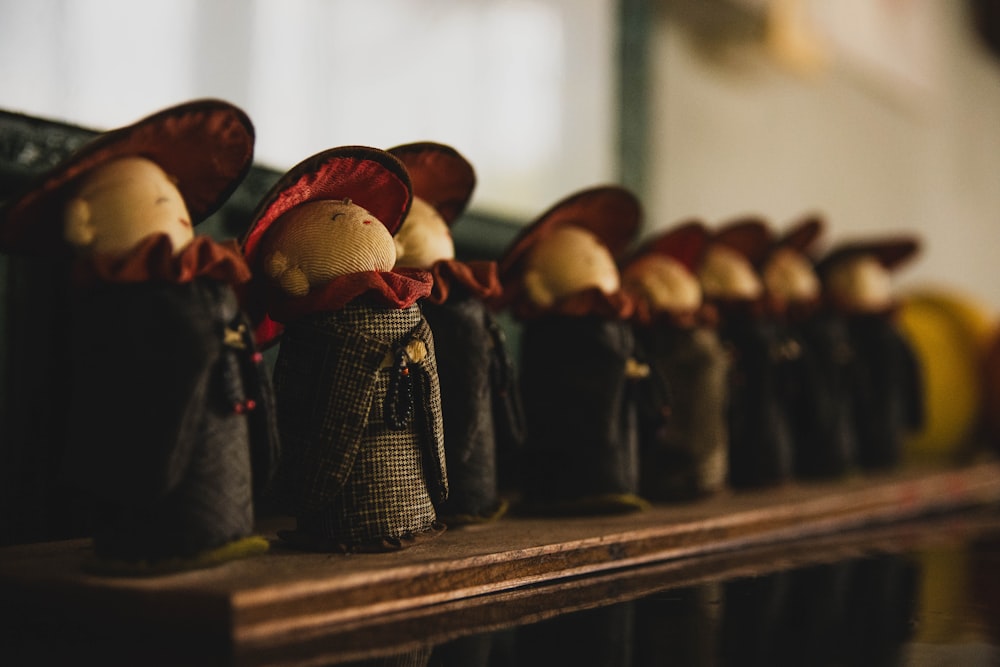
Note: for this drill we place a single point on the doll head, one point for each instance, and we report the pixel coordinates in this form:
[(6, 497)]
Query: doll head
[(725, 273), (860, 284), (788, 270), (568, 260), (120, 203), (424, 237), (857, 277), (162, 174), (315, 242), (661, 272), (571, 247), (664, 283), (332, 214), (789, 276), (443, 181)]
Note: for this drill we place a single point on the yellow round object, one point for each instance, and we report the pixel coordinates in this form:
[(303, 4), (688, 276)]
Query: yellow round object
[(950, 333)]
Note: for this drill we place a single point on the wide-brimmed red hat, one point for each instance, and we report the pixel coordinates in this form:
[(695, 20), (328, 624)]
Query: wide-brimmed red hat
[(684, 242), (891, 252), (441, 176), (610, 212), (750, 236), (801, 235), (205, 145), (370, 177)]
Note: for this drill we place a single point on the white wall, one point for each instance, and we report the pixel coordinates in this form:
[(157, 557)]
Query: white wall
[(523, 88), (874, 152)]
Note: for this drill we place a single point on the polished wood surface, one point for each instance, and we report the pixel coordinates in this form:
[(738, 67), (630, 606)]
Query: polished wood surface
[(287, 598)]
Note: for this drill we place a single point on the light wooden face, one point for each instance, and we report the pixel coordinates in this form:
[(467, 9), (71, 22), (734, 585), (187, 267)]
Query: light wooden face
[(725, 273), (860, 283), (123, 202), (569, 260), (789, 276), (664, 283), (424, 238), (315, 242)]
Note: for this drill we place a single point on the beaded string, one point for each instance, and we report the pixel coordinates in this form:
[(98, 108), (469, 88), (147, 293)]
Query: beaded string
[(238, 340), (398, 407)]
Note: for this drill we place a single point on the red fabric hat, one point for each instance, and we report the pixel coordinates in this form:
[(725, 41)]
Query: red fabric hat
[(684, 242), (801, 235), (610, 212), (890, 252), (370, 177), (749, 236), (206, 145), (441, 176)]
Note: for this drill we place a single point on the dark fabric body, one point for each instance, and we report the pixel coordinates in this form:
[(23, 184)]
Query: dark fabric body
[(464, 346), (154, 435), (760, 435), (580, 411), (887, 390), (683, 436), (348, 476), (820, 397)]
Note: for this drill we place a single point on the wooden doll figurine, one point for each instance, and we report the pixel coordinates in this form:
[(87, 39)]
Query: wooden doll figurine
[(818, 393), (760, 438), (473, 365), (170, 397), (577, 354), (683, 433), (359, 407), (886, 385)]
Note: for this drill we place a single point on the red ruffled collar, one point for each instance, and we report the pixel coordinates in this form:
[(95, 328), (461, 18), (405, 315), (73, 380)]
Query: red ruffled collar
[(589, 302), (153, 260), (479, 279), (398, 289)]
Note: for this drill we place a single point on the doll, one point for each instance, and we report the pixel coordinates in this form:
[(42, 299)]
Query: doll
[(818, 394), (578, 365), (683, 434), (885, 381), (760, 438), (474, 370), (359, 407), (170, 399)]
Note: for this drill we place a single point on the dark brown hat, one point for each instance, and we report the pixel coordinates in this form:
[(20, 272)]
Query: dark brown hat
[(684, 242), (750, 236), (610, 212), (205, 145), (441, 176), (369, 177), (891, 252), (801, 235)]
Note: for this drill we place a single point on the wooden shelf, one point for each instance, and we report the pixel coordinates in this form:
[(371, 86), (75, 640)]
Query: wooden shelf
[(248, 609)]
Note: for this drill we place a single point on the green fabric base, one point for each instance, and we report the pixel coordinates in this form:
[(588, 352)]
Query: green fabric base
[(472, 519), (605, 503), (242, 548)]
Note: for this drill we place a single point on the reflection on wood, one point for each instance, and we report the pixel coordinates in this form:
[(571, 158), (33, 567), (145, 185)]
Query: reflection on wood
[(285, 602)]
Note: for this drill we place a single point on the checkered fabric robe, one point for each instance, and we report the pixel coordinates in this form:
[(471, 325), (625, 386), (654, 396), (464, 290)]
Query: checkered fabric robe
[(347, 476)]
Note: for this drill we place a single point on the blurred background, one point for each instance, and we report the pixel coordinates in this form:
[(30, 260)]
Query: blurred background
[(880, 114)]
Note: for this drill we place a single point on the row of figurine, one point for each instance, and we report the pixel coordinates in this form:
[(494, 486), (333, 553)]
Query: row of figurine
[(697, 360)]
